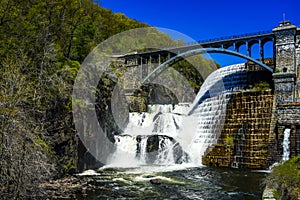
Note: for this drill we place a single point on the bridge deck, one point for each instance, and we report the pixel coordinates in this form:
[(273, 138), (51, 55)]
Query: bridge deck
[(228, 40), (237, 37)]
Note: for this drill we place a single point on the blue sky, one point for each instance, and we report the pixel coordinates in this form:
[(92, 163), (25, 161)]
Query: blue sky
[(209, 19)]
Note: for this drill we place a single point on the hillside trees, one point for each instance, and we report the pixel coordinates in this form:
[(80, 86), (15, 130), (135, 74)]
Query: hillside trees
[(25, 158), (42, 44)]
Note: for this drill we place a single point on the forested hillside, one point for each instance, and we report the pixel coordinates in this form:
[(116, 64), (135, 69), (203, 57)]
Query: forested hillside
[(42, 44)]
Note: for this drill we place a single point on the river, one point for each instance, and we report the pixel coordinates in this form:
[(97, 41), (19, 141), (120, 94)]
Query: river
[(165, 146), (176, 182)]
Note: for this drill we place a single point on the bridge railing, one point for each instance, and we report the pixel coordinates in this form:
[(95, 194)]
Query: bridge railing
[(222, 39), (235, 36), (215, 40)]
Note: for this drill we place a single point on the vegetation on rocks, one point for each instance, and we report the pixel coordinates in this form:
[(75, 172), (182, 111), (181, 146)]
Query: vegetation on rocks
[(261, 86), (285, 179)]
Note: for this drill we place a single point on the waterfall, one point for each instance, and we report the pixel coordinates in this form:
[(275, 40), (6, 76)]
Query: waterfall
[(165, 135), (224, 80), (211, 117), (124, 155), (286, 144), (150, 138), (210, 106)]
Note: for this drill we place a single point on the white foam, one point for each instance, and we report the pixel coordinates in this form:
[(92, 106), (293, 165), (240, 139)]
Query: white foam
[(89, 172)]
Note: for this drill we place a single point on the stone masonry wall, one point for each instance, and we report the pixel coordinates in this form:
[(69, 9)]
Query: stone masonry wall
[(298, 64), (289, 117), (284, 86), (244, 139)]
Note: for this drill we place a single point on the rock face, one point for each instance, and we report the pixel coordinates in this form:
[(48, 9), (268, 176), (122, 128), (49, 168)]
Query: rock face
[(268, 194), (112, 116), (155, 181), (69, 187), (150, 94), (244, 139), (161, 149)]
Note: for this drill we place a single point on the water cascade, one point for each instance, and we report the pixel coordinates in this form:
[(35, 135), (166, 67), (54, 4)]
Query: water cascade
[(286, 144), (150, 138), (240, 137), (165, 135), (228, 79), (210, 105), (211, 115)]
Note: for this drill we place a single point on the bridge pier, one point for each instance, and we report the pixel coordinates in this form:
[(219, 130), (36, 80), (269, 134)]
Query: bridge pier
[(248, 51), (159, 59), (235, 47), (261, 51)]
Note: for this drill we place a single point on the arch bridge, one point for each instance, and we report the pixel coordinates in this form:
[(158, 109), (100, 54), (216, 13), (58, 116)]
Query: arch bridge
[(285, 40), (162, 67), (234, 43)]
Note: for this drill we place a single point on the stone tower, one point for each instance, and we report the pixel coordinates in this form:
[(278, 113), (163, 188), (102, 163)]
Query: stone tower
[(287, 62), (286, 105)]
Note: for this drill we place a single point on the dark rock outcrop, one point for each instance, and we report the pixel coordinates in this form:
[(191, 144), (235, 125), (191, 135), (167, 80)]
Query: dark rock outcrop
[(160, 145), (155, 181)]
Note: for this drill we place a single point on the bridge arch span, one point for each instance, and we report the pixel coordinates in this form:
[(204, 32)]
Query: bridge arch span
[(268, 48), (255, 49), (231, 47), (164, 66), (253, 42), (239, 44), (267, 39)]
